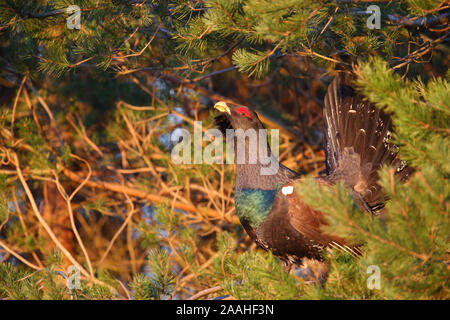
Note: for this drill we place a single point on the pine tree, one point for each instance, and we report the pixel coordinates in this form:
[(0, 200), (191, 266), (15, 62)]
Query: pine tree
[(86, 116)]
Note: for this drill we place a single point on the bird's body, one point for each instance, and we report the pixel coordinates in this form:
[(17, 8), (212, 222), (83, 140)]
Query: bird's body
[(356, 146)]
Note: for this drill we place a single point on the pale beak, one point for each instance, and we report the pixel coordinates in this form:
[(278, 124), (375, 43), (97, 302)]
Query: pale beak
[(222, 107)]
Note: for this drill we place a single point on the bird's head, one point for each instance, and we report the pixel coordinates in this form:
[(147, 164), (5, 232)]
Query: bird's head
[(234, 116)]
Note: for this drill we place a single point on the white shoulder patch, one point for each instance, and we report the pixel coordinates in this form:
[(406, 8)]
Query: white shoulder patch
[(287, 190)]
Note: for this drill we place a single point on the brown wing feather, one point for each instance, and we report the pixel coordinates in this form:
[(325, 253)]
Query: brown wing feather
[(293, 230), (310, 222)]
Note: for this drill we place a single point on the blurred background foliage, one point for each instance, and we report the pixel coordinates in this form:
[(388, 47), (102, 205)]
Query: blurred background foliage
[(86, 117)]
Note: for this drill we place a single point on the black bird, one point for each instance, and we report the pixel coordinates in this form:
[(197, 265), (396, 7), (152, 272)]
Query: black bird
[(356, 146)]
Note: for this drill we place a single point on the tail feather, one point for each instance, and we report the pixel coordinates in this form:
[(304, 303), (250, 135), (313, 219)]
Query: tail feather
[(356, 142)]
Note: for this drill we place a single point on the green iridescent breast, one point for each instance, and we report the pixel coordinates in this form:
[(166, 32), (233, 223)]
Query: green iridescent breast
[(254, 205)]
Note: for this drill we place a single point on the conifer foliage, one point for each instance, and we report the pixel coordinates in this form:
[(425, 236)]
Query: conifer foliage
[(87, 112)]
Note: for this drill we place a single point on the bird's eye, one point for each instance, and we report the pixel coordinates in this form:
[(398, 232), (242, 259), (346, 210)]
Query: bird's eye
[(243, 112)]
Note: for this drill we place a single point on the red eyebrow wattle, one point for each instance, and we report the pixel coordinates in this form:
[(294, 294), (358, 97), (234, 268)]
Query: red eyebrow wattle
[(244, 111)]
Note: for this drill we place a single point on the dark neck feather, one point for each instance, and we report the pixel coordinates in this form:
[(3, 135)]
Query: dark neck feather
[(249, 176)]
